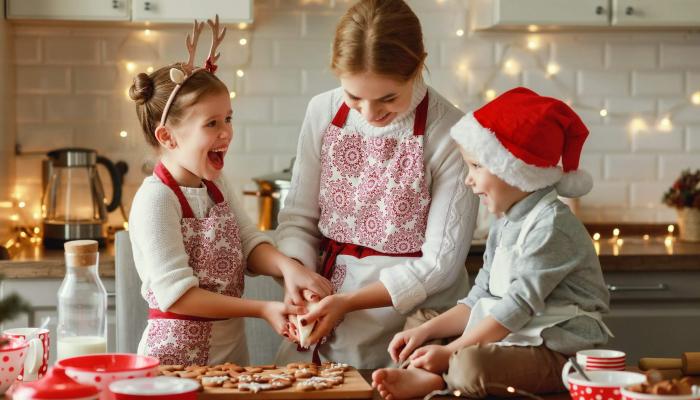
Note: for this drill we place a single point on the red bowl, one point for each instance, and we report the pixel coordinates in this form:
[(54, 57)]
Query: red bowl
[(102, 369)]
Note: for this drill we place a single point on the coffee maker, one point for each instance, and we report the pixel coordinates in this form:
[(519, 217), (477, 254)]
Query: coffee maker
[(73, 203)]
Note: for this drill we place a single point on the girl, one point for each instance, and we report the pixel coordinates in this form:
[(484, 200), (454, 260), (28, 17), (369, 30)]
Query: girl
[(376, 187), (191, 240)]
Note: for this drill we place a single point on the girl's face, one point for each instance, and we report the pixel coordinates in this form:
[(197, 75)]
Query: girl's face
[(201, 139), (377, 97), (497, 195)]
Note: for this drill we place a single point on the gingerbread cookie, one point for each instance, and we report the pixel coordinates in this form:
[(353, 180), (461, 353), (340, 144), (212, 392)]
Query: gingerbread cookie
[(254, 387), (214, 381)]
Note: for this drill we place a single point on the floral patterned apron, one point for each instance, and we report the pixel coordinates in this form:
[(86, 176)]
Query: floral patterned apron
[(213, 245), (374, 201)]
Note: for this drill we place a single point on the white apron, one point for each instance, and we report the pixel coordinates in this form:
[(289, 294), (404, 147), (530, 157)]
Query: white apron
[(505, 260), (374, 202), (215, 254)]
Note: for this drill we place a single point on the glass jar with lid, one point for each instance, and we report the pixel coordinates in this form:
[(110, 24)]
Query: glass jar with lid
[(82, 303)]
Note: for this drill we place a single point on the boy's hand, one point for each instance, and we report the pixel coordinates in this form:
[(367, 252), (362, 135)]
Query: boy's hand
[(433, 358), (298, 278), (403, 343), (276, 313)]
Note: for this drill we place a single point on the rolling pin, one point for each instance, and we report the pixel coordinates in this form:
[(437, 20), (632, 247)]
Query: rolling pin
[(689, 363)]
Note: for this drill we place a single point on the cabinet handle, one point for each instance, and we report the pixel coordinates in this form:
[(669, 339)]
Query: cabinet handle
[(112, 294), (115, 4), (599, 10), (642, 288), (629, 10), (147, 6)]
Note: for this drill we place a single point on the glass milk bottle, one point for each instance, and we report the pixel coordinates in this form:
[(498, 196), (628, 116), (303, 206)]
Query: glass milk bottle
[(82, 303)]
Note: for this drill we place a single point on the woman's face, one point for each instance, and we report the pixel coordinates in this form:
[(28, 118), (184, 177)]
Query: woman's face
[(378, 98)]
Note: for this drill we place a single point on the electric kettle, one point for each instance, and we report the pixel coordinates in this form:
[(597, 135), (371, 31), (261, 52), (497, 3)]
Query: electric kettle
[(73, 203)]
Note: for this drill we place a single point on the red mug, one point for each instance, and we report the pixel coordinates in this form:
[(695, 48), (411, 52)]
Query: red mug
[(599, 359), (37, 361)]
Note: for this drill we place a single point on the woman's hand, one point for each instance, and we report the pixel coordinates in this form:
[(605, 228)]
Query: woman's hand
[(403, 343), (276, 314), (298, 278), (433, 358), (326, 313)]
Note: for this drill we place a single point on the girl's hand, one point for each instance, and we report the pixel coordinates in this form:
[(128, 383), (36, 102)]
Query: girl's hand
[(297, 278), (326, 313), (433, 358), (276, 313), (403, 343)]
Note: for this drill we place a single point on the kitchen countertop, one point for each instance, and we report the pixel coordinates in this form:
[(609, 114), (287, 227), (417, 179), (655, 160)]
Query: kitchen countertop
[(634, 254)]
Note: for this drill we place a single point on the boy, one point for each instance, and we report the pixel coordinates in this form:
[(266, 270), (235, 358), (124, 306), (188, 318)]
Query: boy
[(540, 293)]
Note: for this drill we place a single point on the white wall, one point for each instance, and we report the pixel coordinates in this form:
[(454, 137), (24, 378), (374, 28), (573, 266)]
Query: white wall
[(71, 82)]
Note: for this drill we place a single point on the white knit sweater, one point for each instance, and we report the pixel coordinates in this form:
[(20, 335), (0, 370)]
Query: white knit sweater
[(453, 208), (156, 239)]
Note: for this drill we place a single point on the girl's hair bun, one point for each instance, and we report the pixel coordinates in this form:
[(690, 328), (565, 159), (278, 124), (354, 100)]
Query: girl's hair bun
[(142, 89)]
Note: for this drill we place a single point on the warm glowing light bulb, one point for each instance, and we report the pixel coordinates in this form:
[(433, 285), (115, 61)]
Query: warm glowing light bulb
[(511, 67), (242, 25), (243, 42), (14, 217), (510, 389), (638, 125), (695, 98), (490, 94), (603, 112), (616, 232), (123, 134), (665, 124), (596, 236), (533, 28), (147, 32), (240, 73), (22, 204), (553, 69), (645, 237), (670, 228), (232, 95), (460, 32), (131, 67), (533, 43), (149, 69), (619, 242), (37, 230)]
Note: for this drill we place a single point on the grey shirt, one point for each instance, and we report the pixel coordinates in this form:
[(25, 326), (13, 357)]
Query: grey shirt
[(558, 266)]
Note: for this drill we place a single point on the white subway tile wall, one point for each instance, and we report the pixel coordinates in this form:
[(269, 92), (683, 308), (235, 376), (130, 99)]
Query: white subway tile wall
[(71, 83)]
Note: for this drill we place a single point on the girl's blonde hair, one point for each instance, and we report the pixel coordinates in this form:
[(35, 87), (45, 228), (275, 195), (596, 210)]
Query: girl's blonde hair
[(379, 36), (151, 92)]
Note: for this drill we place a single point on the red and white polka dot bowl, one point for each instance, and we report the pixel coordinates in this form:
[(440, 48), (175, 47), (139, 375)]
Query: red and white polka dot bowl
[(604, 385), (12, 357), (102, 369)]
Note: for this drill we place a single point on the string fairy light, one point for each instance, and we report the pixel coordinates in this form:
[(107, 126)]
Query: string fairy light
[(508, 64)]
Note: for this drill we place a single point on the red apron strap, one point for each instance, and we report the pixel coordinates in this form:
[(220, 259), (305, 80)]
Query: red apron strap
[(165, 176), (154, 313), (421, 117), (333, 249), (213, 191), (341, 116)]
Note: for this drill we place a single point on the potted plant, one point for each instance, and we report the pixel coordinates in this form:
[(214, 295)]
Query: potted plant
[(684, 195)]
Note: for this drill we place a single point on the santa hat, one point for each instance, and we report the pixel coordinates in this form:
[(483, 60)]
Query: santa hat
[(520, 137)]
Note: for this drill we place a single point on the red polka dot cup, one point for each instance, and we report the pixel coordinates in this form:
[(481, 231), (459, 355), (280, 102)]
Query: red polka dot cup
[(599, 359), (37, 361), (12, 356), (603, 385), (102, 369)]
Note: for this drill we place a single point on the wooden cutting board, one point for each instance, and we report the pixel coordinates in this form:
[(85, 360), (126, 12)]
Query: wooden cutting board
[(354, 387)]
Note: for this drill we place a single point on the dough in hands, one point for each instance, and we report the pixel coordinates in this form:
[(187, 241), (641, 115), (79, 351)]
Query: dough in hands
[(305, 331)]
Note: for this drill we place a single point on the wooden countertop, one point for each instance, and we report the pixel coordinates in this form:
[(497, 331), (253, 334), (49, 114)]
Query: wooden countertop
[(633, 254)]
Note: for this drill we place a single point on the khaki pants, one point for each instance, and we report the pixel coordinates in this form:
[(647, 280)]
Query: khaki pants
[(481, 370), (478, 371)]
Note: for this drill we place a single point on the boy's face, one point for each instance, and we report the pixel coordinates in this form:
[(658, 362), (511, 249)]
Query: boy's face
[(203, 137), (494, 192)]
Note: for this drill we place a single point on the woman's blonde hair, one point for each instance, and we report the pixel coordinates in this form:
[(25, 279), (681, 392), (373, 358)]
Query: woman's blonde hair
[(151, 92), (379, 36)]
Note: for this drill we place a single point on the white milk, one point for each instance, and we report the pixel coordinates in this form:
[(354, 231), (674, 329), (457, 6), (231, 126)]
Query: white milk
[(80, 345)]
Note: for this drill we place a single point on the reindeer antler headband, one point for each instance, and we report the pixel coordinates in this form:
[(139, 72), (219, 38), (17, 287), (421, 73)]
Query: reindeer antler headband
[(180, 76)]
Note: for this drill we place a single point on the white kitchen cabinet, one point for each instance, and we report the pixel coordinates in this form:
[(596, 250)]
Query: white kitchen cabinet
[(652, 13), (164, 11), (91, 10), (563, 14), (185, 11), (42, 295)]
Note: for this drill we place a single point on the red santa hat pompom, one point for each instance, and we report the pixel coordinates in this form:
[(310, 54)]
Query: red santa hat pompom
[(520, 137)]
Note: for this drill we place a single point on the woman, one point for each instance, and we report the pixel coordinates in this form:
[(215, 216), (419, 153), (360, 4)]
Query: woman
[(377, 187)]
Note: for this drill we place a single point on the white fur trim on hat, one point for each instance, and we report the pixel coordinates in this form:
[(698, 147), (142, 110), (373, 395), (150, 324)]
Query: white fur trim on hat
[(575, 184), (483, 144)]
